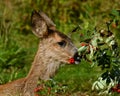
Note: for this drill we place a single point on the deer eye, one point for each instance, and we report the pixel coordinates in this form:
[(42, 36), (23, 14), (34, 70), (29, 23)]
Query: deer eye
[(62, 43)]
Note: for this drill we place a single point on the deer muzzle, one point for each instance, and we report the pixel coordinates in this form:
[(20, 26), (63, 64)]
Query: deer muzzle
[(75, 59)]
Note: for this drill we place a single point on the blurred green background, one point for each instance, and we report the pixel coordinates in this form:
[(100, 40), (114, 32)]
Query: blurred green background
[(18, 45)]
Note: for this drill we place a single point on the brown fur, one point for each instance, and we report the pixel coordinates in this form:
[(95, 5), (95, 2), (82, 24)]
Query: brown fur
[(48, 58)]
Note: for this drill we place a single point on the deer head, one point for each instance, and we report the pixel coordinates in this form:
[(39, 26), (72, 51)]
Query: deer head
[(55, 48)]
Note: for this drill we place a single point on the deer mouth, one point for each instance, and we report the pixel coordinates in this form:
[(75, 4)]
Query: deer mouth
[(75, 59)]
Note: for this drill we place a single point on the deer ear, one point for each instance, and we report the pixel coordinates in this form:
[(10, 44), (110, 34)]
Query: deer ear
[(40, 24), (48, 21)]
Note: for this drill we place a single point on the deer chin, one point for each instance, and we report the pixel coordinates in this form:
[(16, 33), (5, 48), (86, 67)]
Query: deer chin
[(77, 62)]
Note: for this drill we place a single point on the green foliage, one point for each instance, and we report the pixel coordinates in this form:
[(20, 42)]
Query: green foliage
[(18, 45), (12, 59), (106, 55)]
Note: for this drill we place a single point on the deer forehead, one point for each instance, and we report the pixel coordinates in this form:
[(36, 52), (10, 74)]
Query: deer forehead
[(58, 36)]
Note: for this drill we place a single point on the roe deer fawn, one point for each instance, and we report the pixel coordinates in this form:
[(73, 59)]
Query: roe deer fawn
[(54, 49)]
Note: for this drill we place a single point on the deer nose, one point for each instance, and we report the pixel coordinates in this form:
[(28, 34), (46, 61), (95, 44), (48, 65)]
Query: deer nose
[(77, 58)]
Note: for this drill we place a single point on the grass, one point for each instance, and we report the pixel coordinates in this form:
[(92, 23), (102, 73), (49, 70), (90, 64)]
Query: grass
[(18, 45), (78, 76)]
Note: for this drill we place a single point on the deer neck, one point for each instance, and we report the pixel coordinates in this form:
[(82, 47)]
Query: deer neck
[(42, 68), (32, 78), (49, 69)]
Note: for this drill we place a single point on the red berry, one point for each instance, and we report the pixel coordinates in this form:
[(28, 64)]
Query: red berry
[(83, 44), (71, 60), (36, 90), (114, 25), (118, 90), (39, 88)]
